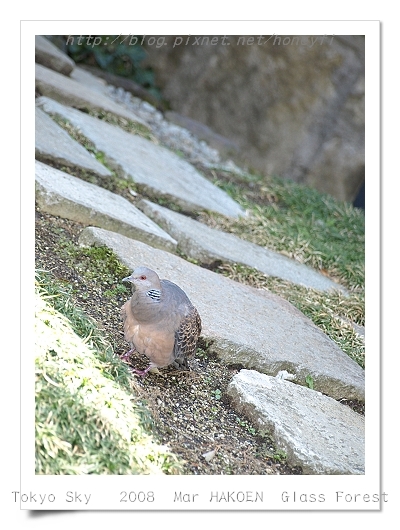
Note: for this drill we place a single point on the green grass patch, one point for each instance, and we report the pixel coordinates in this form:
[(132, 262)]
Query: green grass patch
[(97, 264), (299, 222), (88, 421), (60, 296)]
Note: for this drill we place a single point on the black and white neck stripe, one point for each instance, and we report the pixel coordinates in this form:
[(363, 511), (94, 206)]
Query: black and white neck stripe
[(154, 294)]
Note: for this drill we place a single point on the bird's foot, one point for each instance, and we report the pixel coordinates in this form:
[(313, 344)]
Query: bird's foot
[(143, 373), (127, 354)]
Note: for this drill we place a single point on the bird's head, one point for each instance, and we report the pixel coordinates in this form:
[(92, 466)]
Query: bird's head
[(143, 279)]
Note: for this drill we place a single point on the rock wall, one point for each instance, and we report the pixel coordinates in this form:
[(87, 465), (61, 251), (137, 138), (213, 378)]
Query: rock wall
[(294, 105)]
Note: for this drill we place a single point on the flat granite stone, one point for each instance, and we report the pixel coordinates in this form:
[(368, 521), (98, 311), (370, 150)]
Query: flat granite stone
[(156, 171), (316, 432), (53, 145), (208, 245), (61, 194), (247, 326), (71, 92), (89, 80), (47, 54)]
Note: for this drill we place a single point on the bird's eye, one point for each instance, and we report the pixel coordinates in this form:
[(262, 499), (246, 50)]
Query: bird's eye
[(143, 277)]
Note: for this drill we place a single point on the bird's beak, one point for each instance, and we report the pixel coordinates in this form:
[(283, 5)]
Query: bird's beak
[(127, 279)]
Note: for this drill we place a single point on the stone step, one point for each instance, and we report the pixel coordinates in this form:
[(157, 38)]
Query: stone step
[(316, 432), (48, 55), (61, 194), (247, 326), (156, 170), (71, 92), (62, 150), (89, 80)]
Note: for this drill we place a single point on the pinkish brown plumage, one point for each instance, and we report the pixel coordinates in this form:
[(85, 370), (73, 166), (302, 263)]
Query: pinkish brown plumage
[(159, 321)]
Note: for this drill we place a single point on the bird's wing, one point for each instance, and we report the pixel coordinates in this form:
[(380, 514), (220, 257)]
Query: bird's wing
[(186, 337)]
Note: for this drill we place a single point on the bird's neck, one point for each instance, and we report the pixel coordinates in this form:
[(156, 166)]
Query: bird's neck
[(154, 294)]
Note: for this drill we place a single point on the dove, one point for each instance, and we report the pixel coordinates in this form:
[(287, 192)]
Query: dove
[(159, 321)]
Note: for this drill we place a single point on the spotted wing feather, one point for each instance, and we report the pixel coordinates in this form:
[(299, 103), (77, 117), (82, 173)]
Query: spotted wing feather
[(186, 337)]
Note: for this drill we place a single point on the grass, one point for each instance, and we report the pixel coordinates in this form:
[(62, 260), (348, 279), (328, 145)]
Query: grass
[(97, 264), (299, 222), (87, 420)]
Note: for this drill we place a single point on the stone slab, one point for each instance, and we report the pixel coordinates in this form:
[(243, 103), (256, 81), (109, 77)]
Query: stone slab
[(61, 194), (53, 145), (156, 170), (317, 433), (244, 325), (89, 80), (70, 92), (47, 54), (208, 245)]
